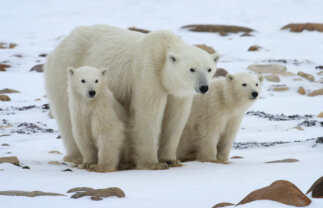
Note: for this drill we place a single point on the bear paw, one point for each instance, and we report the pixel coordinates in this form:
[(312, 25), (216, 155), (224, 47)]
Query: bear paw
[(174, 163)]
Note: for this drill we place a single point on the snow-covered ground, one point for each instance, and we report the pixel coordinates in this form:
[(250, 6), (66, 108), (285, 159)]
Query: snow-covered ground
[(37, 26)]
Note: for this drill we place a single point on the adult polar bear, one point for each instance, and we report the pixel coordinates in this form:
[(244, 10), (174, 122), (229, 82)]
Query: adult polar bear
[(154, 76)]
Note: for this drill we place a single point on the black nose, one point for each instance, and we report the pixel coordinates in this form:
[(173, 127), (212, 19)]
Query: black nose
[(204, 89), (91, 93), (254, 94)]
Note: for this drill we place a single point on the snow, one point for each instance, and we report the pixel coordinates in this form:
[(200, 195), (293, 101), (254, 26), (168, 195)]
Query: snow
[(37, 26)]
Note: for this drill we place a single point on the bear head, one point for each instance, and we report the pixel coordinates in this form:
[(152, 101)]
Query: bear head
[(244, 87), (86, 81), (187, 72)]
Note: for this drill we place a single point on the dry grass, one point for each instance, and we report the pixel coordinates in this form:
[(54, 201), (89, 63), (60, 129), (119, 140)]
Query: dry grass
[(300, 27), (221, 29)]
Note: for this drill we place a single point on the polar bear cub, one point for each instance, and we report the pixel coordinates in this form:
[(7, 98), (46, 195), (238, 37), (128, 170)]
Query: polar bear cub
[(96, 127), (215, 118)]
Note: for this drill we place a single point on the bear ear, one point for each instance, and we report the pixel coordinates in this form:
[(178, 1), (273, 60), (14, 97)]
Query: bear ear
[(215, 57), (172, 57), (71, 70), (261, 78), (229, 77)]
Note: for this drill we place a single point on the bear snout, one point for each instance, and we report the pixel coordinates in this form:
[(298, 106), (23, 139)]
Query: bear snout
[(203, 89), (254, 94), (92, 93)]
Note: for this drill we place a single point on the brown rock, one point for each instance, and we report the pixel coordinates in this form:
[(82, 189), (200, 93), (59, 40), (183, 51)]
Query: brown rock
[(96, 194), (272, 78), (301, 90), (254, 48), (289, 160), (297, 79), (207, 48), (267, 68), (281, 191), (221, 29), (4, 98), (306, 76), (317, 188), (320, 115), (220, 72), (7, 45), (29, 193), (300, 27), (3, 67), (138, 30), (13, 160), (223, 204), (38, 68), (7, 90), (236, 157), (55, 152), (280, 89), (316, 93)]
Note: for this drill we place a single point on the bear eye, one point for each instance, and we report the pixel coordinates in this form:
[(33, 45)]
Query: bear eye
[(83, 80), (96, 81), (244, 84), (192, 70), (209, 70), (257, 85)]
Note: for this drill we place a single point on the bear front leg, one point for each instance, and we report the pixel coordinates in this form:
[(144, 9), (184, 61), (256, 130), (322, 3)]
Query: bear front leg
[(109, 150), (226, 141), (176, 114), (147, 109), (207, 151), (85, 144)]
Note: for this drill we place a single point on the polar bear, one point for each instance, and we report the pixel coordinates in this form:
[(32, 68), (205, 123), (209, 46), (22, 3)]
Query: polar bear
[(215, 118), (97, 130), (151, 75)]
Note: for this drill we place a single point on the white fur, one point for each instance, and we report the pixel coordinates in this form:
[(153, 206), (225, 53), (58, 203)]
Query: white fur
[(215, 118), (97, 130), (144, 72)]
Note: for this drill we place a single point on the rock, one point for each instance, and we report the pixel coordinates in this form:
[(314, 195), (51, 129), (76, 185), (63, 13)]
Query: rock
[(13, 160), (320, 115), (42, 55), (267, 68), (289, 160), (246, 35), (7, 90), (236, 157), (254, 48), (26, 167), (301, 90), (272, 78), (138, 30), (3, 67), (220, 72), (221, 29), (317, 188), (281, 191), (280, 89), (29, 193), (38, 68), (297, 79), (304, 26), (7, 45), (4, 98), (207, 48), (306, 76), (67, 170), (223, 204), (316, 92), (96, 194), (55, 152), (5, 145), (17, 55)]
